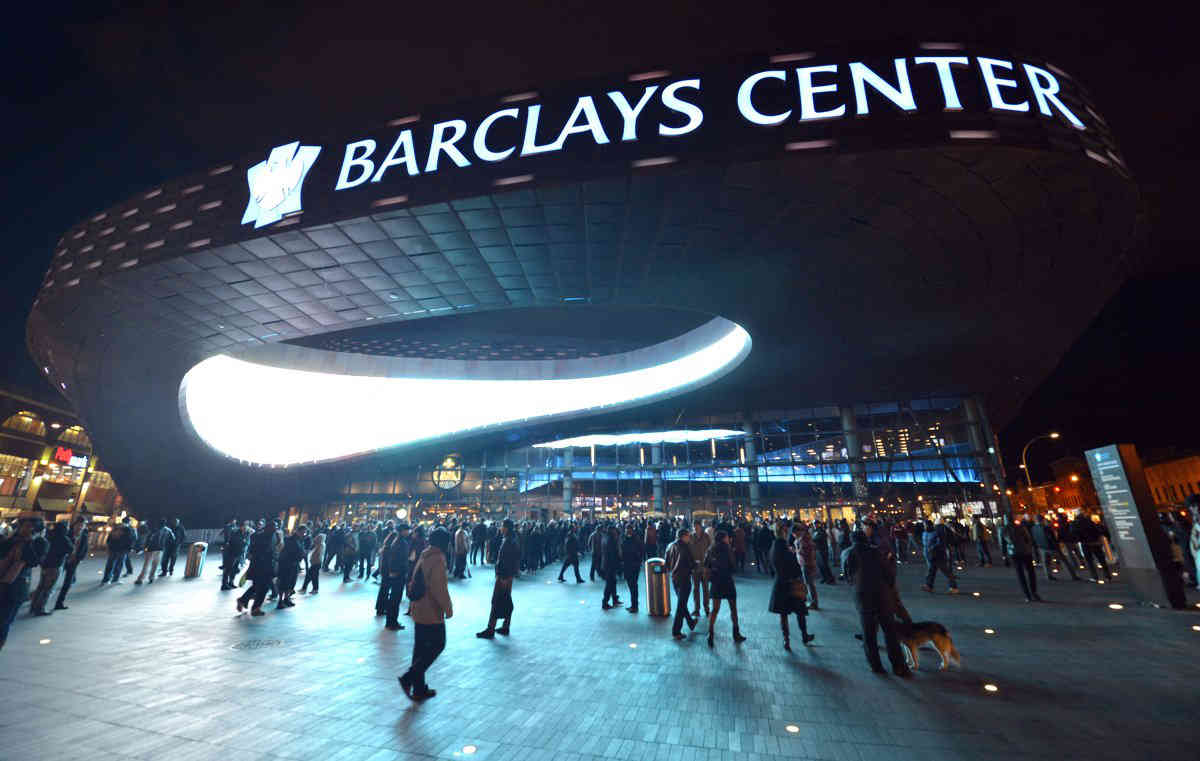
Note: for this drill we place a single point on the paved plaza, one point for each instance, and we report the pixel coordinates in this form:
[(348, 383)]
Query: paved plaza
[(170, 671)]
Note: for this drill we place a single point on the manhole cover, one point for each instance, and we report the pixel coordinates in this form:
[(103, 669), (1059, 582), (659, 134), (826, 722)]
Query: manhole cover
[(256, 644)]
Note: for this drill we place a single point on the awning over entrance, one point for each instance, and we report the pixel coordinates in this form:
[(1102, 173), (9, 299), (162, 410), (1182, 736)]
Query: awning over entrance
[(55, 505)]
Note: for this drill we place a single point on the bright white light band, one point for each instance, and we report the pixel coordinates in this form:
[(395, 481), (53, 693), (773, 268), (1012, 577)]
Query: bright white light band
[(279, 414), (651, 437)]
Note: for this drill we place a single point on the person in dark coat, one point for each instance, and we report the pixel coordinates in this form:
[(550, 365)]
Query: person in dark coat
[(290, 558), (395, 575), (262, 568), (79, 551), (820, 539), (720, 564), (874, 579), (679, 561), (508, 564), (19, 555), (632, 552), (1018, 545), (120, 542), (232, 549), (368, 542), (571, 556), (610, 565), (788, 591), (59, 547)]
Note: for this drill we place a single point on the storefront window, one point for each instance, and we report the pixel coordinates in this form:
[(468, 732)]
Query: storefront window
[(26, 422), (62, 474), (14, 475), (77, 436)]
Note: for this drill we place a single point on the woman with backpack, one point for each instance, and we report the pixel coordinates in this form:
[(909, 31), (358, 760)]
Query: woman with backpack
[(431, 606)]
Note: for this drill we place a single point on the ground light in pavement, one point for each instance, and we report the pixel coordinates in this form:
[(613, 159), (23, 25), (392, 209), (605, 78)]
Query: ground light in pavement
[(792, 728), (976, 594), (469, 749), (633, 645), (1196, 628), (989, 631), (44, 641), (1116, 606), (991, 687)]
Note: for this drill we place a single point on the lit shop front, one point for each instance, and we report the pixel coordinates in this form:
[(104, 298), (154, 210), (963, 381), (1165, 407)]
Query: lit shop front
[(911, 458)]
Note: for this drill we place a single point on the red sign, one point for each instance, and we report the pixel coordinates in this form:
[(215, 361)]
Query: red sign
[(63, 454)]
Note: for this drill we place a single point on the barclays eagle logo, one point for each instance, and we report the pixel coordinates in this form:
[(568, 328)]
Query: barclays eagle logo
[(275, 183)]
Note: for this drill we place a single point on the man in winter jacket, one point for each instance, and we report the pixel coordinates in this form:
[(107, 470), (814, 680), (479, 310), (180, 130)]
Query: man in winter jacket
[(179, 544), (936, 543), (79, 551), (156, 540), (395, 577), (1046, 542), (1018, 545), (367, 543), (571, 556), (680, 562), (508, 565), (120, 542), (1092, 543), (874, 579), (56, 553)]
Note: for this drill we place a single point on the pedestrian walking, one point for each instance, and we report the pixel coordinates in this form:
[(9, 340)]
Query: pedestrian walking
[(806, 555), (430, 609), (571, 555), (19, 555), (156, 540), (261, 572), (632, 552), (719, 566), (937, 547), (610, 565), (58, 547), (680, 561), (394, 578), (79, 551), (789, 590), (873, 578), (312, 571), (508, 561), (1018, 545), (1045, 543)]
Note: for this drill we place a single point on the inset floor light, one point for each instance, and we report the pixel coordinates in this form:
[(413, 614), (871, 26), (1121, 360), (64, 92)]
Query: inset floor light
[(975, 594), (792, 728), (633, 645), (989, 631), (469, 749), (1116, 606), (991, 688), (44, 641)]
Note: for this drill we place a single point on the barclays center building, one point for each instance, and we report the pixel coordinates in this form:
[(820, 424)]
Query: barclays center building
[(812, 279)]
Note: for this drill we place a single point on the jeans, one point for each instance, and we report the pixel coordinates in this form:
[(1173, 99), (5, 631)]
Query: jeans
[(1025, 575), (1062, 562), (231, 563), (149, 561), (810, 580), (312, 576), (476, 553), (460, 565), (682, 593), (700, 588), (1095, 551), (985, 554), (168, 561), (257, 592), (112, 567), (570, 563), (631, 579), (939, 562), (823, 567), (610, 586), (872, 621), (68, 580), (365, 563), (45, 584), (395, 585), (429, 640)]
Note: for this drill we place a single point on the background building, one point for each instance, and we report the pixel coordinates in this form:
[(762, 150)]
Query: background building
[(1173, 481)]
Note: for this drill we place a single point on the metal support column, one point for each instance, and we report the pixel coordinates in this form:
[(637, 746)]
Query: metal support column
[(752, 467), (656, 474), (568, 481), (858, 471)]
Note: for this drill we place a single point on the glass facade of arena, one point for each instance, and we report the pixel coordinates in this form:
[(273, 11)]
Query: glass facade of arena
[(902, 457)]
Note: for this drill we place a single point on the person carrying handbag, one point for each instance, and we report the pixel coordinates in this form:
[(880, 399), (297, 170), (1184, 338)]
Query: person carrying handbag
[(789, 592), (431, 606)]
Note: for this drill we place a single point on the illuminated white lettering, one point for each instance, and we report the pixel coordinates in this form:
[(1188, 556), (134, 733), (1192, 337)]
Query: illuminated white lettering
[(480, 145), (586, 108), (630, 113), (529, 146), (441, 144), (808, 91), (690, 110), (401, 153), (901, 94), (355, 159), (946, 77), (993, 82), (745, 97), (1045, 92)]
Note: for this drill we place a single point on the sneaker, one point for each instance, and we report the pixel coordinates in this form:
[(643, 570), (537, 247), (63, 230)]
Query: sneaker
[(60, 606), (405, 685), (809, 638), (241, 605), (503, 630), (257, 612), (426, 695), (605, 606), (632, 609), (394, 627), (139, 581), (486, 634)]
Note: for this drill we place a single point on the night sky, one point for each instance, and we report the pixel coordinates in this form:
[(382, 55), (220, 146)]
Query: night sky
[(100, 103)]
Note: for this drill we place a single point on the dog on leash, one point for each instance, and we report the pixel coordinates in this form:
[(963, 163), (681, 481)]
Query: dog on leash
[(913, 636)]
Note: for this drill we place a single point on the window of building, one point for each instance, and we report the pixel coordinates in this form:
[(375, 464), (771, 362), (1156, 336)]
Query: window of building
[(77, 436), (26, 422), (101, 480), (14, 475)]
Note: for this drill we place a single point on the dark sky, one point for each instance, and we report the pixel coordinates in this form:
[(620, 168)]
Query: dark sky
[(101, 102)]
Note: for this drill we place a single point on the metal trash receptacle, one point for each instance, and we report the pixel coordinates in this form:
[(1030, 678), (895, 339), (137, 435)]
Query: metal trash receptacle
[(195, 560), (658, 587)]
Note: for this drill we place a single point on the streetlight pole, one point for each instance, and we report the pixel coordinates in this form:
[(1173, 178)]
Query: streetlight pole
[(1025, 450)]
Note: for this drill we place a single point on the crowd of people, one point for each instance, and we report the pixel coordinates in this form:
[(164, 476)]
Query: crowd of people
[(703, 560)]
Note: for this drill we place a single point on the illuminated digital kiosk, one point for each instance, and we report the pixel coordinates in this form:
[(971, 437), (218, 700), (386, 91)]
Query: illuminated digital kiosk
[(609, 256)]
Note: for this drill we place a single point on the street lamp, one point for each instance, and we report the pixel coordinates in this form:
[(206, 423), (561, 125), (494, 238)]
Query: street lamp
[(1024, 466)]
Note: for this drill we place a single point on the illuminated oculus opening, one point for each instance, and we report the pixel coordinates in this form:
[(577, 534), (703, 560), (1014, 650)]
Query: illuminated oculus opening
[(282, 404)]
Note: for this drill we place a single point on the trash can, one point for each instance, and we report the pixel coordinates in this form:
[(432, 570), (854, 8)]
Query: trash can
[(195, 560), (658, 587)]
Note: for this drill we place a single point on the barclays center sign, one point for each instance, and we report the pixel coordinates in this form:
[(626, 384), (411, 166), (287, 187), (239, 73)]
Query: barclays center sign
[(794, 98)]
